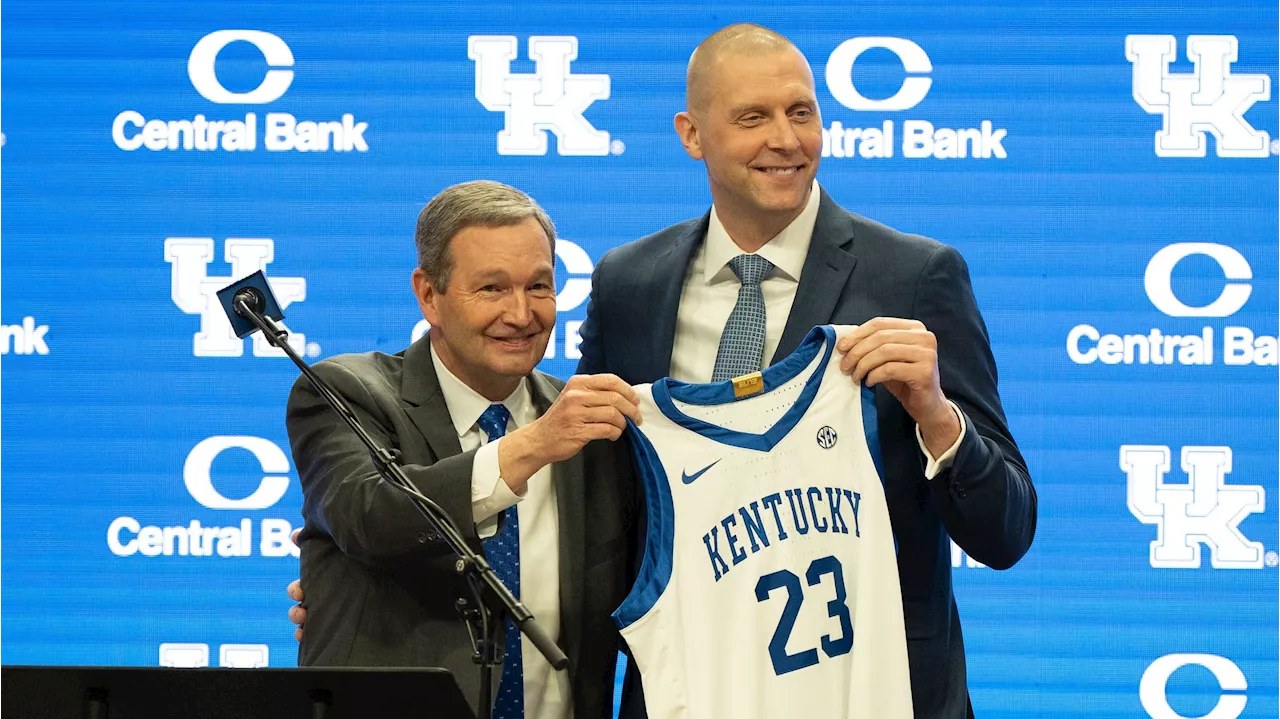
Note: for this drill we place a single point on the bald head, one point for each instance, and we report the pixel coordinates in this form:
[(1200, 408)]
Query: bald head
[(744, 39)]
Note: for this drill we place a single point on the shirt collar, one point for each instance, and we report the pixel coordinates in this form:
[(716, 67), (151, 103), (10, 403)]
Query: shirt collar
[(466, 405), (786, 250)]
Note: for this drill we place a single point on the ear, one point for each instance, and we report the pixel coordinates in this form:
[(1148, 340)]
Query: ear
[(687, 129), (427, 296)]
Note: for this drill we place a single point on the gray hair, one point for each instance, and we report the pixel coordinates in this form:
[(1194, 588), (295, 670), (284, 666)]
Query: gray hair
[(482, 203)]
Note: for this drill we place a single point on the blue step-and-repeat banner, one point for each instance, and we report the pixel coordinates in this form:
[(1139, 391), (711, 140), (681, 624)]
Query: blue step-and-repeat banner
[(1109, 172)]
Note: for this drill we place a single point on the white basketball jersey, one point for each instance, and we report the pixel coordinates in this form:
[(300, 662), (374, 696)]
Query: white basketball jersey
[(769, 586)]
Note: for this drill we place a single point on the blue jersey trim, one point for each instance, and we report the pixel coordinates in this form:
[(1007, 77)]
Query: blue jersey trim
[(871, 430), (655, 568), (821, 338)]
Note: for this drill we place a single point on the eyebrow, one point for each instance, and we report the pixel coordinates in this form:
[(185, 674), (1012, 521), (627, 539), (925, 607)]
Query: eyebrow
[(495, 273), (757, 107), (744, 109)]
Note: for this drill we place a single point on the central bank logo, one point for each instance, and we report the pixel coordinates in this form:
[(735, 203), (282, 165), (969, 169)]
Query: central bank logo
[(281, 131), (195, 292), (1153, 689), (196, 472), (203, 58), (1203, 511), (1158, 280), (1233, 345), (1211, 99), (839, 73), (24, 339), (551, 99), (919, 137), (130, 537)]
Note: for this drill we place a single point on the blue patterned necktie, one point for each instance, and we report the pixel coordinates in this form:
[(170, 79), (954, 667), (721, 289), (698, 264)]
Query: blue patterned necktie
[(742, 343), (503, 552)]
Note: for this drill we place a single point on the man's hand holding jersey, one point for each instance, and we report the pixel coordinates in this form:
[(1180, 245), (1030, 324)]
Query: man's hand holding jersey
[(902, 355)]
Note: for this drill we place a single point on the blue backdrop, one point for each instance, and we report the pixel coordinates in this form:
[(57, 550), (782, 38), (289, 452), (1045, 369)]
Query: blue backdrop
[(1116, 201)]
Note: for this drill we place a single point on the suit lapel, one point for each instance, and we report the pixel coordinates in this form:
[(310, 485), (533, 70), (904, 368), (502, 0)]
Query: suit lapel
[(569, 481), (666, 283), (826, 270), (420, 389)]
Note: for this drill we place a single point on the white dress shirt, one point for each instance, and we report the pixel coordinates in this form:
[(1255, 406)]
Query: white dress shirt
[(711, 291), (547, 694)]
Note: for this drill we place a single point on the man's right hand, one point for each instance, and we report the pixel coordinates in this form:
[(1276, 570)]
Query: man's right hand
[(297, 613), (590, 407)]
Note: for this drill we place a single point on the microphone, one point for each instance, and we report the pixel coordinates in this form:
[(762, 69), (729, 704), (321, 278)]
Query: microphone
[(244, 299), (252, 300)]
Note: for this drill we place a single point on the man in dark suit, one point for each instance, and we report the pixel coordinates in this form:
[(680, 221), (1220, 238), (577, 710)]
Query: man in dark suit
[(518, 459), (661, 306)]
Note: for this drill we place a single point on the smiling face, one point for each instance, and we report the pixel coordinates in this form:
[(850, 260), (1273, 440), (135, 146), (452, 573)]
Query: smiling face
[(491, 325), (759, 133)]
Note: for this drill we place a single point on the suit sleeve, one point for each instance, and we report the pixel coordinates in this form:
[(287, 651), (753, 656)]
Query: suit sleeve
[(345, 497), (986, 499), (590, 332)]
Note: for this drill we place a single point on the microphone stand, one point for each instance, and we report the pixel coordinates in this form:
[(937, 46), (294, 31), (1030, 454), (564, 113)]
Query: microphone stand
[(483, 626)]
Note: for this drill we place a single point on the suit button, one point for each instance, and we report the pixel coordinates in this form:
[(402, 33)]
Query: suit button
[(960, 492), (422, 538)]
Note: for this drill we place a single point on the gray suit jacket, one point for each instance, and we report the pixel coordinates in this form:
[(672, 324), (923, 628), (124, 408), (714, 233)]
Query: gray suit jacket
[(857, 269), (380, 584)]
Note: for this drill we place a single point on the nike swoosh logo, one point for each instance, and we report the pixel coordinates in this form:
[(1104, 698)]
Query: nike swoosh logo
[(690, 478)]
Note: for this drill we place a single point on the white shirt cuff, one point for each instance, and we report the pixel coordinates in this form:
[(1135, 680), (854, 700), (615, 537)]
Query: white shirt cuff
[(490, 496), (944, 460)]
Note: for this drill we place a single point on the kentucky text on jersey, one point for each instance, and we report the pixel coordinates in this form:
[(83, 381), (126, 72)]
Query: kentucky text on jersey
[(827, 509)]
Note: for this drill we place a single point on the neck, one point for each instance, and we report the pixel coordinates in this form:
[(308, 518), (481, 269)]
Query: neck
[(752, 230), (496, 391)]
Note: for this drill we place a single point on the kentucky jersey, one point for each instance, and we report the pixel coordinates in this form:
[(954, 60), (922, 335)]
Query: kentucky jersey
[(769, 585)]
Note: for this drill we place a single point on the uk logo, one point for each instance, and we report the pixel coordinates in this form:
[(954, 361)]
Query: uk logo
[(551, 99), (1203, 511), (189, 656), (195, 293), (1211, 99)]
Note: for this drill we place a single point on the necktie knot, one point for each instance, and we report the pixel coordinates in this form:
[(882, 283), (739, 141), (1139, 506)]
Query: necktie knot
[(750, 269), (493, 421)]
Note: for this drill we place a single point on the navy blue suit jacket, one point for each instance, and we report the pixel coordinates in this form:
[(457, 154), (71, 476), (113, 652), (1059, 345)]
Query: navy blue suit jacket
[(858, 269)]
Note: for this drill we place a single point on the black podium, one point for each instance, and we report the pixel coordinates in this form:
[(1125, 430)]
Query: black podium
[(158, 692)]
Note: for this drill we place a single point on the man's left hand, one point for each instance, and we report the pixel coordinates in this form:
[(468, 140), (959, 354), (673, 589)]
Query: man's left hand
[(903, 356)]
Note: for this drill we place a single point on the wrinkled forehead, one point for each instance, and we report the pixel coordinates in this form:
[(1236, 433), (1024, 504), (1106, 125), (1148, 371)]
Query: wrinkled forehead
[(524, 245)]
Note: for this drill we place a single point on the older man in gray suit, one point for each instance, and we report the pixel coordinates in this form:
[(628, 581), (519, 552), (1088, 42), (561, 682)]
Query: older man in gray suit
[(519, 460)]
